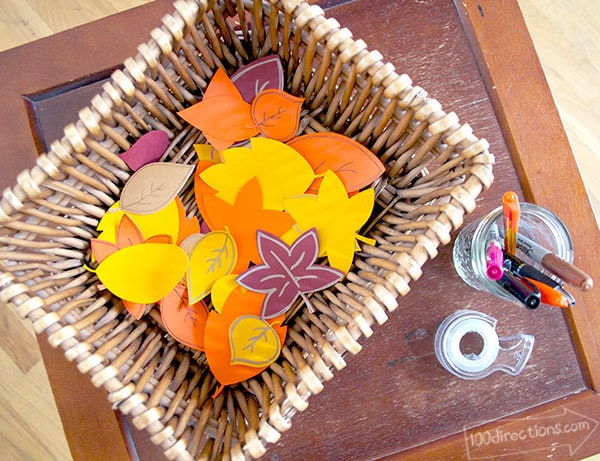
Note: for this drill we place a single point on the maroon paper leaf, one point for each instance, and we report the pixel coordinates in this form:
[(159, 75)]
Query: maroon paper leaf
[(287, 272), (261, 74), (147, 149)]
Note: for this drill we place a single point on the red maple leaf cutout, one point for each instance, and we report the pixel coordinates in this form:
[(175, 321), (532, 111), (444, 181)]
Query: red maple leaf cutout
[(287, 272)]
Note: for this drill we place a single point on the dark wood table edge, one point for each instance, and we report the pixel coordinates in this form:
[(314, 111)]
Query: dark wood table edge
[(488, 40), (529, 119)]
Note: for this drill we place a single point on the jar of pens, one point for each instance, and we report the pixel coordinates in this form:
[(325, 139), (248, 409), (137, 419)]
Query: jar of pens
[(520, 252)]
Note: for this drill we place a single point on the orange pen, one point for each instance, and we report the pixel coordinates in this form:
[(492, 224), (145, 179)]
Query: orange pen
[(511, 213), (552, 296)]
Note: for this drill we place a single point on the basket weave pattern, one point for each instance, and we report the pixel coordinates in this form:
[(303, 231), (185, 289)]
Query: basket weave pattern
[(436, 168)]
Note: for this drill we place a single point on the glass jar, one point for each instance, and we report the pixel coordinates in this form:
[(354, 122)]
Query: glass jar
[(536, 223)]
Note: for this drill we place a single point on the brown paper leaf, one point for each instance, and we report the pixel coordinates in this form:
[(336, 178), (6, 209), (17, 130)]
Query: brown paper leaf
[(154, 186)]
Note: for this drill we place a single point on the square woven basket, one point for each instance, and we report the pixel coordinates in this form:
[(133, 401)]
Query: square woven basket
[(435, 168)]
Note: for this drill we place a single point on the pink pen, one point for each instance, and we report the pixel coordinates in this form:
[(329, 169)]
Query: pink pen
[(494, 261)]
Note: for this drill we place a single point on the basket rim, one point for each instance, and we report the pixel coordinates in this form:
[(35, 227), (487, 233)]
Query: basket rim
[(124, 84)]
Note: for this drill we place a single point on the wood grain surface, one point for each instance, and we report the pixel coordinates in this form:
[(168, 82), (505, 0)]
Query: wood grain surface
[(565, 34)]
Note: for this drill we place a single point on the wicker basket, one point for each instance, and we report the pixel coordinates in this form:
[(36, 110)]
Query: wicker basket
[(435, 170)]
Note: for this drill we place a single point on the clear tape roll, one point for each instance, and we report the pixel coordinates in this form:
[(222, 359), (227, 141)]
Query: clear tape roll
[(509, 354)]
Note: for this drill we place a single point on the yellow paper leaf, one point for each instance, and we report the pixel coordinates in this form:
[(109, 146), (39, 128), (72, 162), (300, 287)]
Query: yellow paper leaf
[(253, 342), (143, 273), (281, 172), (214, 256), (163, 222), (221, 289), (336, 217), (207, 153)]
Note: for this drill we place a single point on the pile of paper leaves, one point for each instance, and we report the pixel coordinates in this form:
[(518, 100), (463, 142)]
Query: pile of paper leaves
[(279, 217)]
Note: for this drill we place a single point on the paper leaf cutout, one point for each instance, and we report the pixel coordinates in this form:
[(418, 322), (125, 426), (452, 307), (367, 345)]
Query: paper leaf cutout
[(287, 272), (216, 337), (222, 115), (277, 114), (354, 164), (207, 153), (221, 290), (253, 342), (213, 257), (136, 310), (201, 190), (190, 242), (147, 149), (154, 186), (128, 233), (186, 226), (261, 74), (143, 273), (281, 171), (336, 217), (184, 321), (244, 218), (162, 222), (101, 249), (159, 239)]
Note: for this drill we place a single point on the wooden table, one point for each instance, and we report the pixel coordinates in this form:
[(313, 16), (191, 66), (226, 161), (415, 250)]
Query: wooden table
[(393, 399)]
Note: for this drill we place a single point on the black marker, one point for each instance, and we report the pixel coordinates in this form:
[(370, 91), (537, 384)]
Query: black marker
[(522, 269), (522, 290)]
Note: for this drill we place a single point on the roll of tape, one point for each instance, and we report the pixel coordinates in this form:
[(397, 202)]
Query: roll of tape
[(448, 344)]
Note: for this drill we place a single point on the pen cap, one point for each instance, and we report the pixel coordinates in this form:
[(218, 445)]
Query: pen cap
[(536, 223)]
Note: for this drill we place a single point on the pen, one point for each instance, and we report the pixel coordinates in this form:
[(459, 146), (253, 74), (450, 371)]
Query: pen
[(552, 296), (511, 213), (522, 269), (494, 260), (558, 266), (521, 290)]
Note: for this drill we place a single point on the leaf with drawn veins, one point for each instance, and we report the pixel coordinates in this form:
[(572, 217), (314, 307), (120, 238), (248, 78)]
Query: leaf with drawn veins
[(154, 186), (287, 272), (259, 75)]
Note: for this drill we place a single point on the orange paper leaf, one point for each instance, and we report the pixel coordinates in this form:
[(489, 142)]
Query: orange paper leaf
[(216, 337), (243, 219), (222, 115), (355, 165), (187, 226), (201, 189), (277, 114), (101, 249), (136, 310), (185, 322), (128, 233)]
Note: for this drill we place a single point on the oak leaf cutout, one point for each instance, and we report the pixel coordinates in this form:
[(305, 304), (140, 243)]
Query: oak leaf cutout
[(288, 272)]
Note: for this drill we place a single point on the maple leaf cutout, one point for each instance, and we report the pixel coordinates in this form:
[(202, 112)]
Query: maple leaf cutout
[(287, 272)]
